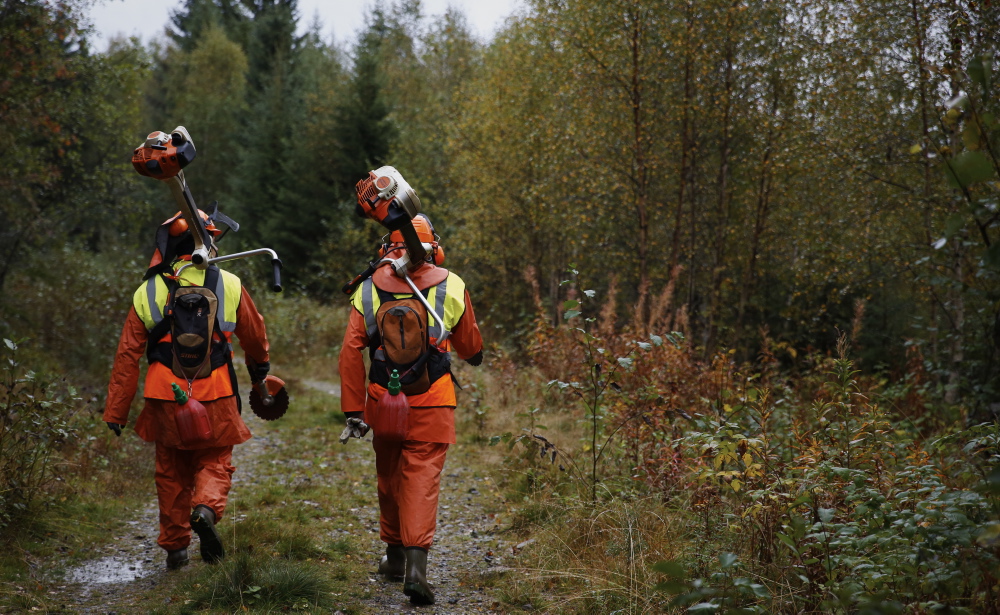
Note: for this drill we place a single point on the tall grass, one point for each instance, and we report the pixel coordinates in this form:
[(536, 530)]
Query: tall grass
[(757, 488)]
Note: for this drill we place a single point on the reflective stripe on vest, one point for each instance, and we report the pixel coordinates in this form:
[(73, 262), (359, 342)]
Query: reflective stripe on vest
[(447, 299)]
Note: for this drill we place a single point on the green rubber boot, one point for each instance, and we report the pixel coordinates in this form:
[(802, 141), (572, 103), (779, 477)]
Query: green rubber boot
[(415, 583), (393, 564), (177, 558), (203, 523)]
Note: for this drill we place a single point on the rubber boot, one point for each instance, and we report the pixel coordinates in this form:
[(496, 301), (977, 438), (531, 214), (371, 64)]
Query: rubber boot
[(393, 564), (415, 583), (177, 558), (203, 523)]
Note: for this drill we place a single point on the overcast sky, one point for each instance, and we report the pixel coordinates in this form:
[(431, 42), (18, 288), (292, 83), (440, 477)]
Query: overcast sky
[(340, 18)]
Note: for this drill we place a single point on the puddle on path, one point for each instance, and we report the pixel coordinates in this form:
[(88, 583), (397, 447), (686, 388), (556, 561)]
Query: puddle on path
[(110, 570)]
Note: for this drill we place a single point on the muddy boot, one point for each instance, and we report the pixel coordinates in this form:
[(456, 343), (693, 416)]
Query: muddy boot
[(203, 523), (415, 583), (393, 564), (177, 558)]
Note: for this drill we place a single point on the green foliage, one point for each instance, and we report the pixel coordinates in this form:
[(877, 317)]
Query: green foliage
[(34, 425)]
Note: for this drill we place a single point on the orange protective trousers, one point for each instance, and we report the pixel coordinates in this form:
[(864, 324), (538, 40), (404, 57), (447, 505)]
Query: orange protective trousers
[(185, 479), (409, 481)]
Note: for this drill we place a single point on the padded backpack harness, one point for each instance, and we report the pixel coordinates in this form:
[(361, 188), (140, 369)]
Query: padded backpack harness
[(422, 363), (185, 352)]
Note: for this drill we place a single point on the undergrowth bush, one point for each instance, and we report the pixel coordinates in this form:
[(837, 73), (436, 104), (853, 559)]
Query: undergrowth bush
[(789, 492), (303, 332), (35, 422)]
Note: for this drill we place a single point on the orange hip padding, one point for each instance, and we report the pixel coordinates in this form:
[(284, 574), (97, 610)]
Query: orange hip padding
[(409, 481), (185, 479)]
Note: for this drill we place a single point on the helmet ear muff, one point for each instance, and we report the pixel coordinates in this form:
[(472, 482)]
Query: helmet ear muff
[(437, 253)]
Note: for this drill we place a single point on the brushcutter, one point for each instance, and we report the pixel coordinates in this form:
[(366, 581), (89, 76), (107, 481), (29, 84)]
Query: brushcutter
[(164, 156), (387, 198)]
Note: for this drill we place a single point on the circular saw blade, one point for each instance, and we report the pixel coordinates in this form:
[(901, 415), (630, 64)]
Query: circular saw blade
[(279, 400)]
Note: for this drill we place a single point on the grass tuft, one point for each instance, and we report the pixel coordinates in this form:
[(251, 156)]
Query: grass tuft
[(262, 584)]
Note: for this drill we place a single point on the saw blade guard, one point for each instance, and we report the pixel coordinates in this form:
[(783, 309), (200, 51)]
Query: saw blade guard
[(269, 398)]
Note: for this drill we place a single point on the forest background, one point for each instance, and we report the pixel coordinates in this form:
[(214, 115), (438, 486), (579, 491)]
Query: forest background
[(761, 192)]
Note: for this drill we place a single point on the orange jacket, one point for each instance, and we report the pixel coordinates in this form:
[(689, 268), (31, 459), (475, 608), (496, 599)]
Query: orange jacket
[(432, 416), (156, 421)]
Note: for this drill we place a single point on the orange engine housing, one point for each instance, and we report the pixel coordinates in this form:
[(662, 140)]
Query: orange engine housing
[(163, 156)]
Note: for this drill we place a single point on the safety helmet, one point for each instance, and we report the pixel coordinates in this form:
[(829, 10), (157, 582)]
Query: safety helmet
[(425, 232), (173, 238), (179, 226)]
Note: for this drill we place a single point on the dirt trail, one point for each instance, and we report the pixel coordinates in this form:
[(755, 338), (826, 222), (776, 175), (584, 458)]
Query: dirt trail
[(130, 569), (465, 548)]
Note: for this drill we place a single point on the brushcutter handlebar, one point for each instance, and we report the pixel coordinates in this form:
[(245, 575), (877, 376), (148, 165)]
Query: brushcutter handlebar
[(275, 262), (361, 277)]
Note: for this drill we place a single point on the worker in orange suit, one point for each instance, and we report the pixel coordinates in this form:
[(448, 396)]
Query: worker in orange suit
[(192, 481), (409, 473)]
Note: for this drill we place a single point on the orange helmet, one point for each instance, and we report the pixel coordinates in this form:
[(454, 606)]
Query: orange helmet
[(173, 238), (425, 231), (179, 226)]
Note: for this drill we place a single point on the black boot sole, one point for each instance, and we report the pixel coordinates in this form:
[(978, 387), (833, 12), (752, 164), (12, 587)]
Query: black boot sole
[(211, 544), (418, 595)]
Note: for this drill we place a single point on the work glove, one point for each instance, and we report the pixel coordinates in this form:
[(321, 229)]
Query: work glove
[(475, 360), (356, 427), (115, 427), (258, 371)]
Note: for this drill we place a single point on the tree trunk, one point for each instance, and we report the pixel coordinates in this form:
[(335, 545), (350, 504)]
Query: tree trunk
[(722, 203)]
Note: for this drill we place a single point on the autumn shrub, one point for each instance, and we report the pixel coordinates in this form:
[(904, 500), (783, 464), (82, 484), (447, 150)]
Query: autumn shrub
[(36, 420), (627, 395), (847, 512), (791, 491)]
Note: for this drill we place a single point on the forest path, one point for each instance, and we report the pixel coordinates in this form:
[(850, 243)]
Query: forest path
[(129, 576)]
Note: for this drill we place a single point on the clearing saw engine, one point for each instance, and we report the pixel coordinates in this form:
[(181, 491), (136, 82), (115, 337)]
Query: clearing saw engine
[(163, 156), (385, 197)]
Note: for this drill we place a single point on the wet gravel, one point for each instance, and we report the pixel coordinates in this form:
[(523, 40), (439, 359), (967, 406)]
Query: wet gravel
[(467, 549)]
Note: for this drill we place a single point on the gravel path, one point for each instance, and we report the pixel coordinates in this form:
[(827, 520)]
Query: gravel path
[(466, 549)]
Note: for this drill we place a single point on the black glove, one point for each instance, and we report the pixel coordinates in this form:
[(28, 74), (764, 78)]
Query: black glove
[(475, 360), (258, 371), (115, 427)]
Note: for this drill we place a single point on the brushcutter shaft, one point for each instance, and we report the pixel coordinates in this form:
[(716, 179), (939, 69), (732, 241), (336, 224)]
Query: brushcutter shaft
[(185, 201), (419, 295)]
